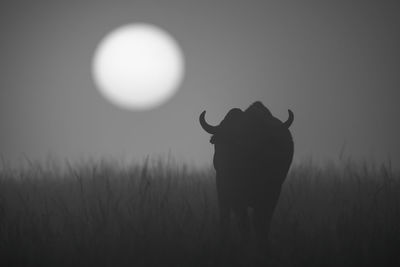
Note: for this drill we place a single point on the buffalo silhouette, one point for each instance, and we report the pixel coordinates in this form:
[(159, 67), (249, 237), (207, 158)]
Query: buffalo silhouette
[(253, 153)]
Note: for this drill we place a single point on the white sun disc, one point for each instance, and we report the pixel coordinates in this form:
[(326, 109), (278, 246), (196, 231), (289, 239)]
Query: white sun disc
[(138, 66)]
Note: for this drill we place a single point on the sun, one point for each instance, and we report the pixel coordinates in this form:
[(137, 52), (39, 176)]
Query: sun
[(138, 66)]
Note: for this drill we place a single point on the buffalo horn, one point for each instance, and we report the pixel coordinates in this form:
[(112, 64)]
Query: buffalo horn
[(289, 121), (207, 127)]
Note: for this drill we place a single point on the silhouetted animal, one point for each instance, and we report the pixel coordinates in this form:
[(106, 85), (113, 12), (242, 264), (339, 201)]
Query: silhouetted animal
[(253, 153)]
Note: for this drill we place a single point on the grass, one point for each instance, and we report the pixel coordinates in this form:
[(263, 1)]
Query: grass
[(160, 213)]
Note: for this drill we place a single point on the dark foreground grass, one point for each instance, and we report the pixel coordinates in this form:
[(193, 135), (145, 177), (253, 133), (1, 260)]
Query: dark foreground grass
[(163, 214)]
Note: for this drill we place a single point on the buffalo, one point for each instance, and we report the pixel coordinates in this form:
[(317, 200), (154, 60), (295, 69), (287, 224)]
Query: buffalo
[(253, 153)]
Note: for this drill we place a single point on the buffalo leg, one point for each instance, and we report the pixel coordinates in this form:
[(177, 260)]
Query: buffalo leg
[(224, 214), (243, 223), (262, 222), (263, 215), (224, 208)]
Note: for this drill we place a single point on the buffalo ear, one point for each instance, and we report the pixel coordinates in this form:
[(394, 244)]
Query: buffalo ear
[(212, 139)]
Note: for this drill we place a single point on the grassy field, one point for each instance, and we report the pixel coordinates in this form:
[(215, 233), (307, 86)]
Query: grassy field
[(160, 213)]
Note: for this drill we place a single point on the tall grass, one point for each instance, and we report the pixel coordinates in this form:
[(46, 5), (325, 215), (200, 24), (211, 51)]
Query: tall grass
[(164, 214)]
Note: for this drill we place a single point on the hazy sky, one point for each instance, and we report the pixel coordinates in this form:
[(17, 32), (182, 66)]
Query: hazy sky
[(334, 63)]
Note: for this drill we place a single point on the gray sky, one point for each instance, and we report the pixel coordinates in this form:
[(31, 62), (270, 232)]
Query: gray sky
[(335, 64)]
